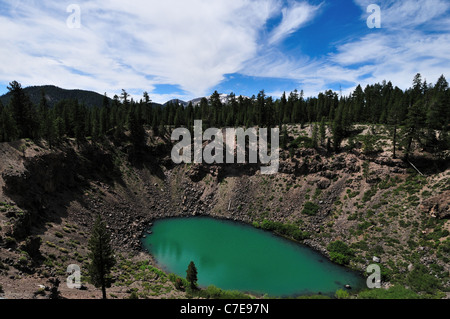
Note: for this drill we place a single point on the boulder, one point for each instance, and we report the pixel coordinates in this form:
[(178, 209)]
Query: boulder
[(323, 183), (32, 246), (437, 206)]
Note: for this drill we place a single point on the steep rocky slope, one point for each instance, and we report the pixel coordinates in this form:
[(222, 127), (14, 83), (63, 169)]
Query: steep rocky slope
[(378, 206)]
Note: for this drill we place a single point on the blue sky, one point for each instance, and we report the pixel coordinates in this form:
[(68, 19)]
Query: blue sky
[(189, 48)]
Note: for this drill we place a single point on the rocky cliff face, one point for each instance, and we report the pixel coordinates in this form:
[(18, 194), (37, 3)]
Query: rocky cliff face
[(47, 179), (71, 185)]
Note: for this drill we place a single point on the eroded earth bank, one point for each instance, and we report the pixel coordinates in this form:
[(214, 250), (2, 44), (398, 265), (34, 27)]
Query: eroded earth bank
[(378, 206)]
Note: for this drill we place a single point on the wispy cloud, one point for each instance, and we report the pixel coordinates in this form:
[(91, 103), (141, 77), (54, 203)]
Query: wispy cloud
[(137, 44), (409, 13), (414, 38), (411, 40), (294, 17), (194, 44)]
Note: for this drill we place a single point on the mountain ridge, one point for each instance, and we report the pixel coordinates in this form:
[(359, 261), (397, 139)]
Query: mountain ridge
[(54, 94), (224, 99)]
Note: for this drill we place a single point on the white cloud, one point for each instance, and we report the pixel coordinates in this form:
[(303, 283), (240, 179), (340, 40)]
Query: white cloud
[(403, 47), (131, 45), (192, 44), (408, 13), (137, 44), (294, 16), (314, 75)]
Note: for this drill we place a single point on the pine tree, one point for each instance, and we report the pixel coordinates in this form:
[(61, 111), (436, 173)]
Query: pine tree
[(338, 128), (22, 111), (189, 118), (368, 142), (101, 255), (46, 121), (8, 127), (282, 113), (322, 131), (284, 138), (137, 131), (124, 96), (413, 128), (58, 127), (191, 275), (366, 170), (216, 108), (394, 119), (315, 135), (43, 116), (357, 104), (437, 116), (178, 119), (79, 122), (417, 89)]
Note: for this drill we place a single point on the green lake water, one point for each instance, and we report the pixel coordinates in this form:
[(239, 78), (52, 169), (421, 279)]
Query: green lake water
[(235, 256)]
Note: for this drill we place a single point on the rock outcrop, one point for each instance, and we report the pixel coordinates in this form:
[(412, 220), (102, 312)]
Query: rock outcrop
[(438, 206)]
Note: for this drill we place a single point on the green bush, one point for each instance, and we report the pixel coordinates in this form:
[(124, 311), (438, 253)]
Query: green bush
[(362, 245), (370, 193), (444, 247), (212, 292), (50, 244), (340, 252), (40, 291), (342, 294), (179, 282), (437, 234), (420, 280), (310, 209), (10, 241), (288, 230), (23, 260), (134, 294), (364, 225), (302, 141), (395, 292)]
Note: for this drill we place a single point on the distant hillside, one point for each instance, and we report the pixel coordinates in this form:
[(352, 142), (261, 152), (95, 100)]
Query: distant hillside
[(54, 94), (224, 98), (175, 101)]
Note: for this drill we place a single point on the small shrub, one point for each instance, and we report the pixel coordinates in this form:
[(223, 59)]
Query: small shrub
[(63, 250), (23, 260), (48, 262), (40, 291), (134, 294), (421, 281), (340, 252), (289, 230), (342, 294), (395, 292), (310, 209), (10, 242), (179, 284), (369, 194)]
